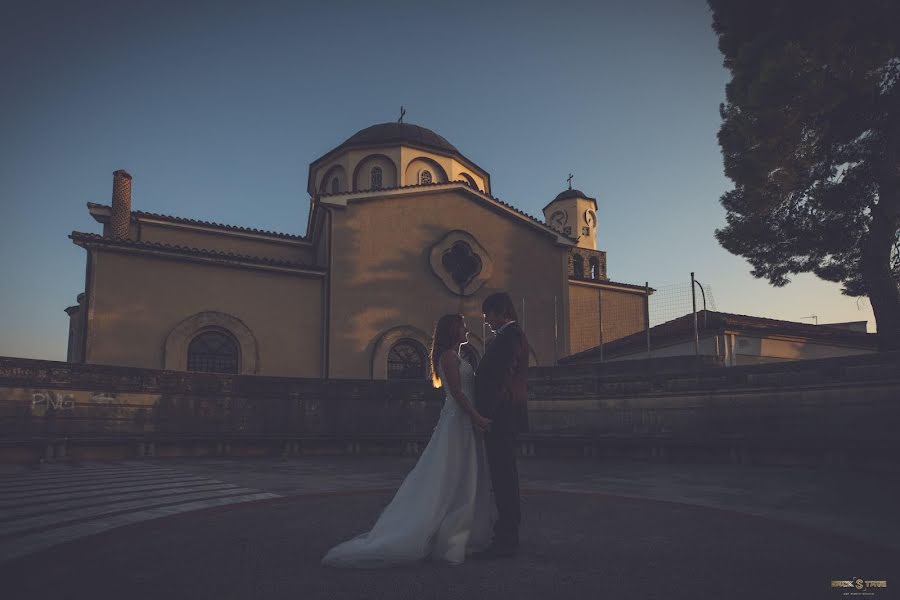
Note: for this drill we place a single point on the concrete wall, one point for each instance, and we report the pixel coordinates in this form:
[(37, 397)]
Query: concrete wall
[(843, 412)]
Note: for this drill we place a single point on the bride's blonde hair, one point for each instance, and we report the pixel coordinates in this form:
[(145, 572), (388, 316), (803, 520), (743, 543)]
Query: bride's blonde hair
[(446, 332)]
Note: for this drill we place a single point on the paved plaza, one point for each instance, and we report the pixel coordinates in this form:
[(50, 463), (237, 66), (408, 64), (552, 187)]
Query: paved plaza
[(258, 527)]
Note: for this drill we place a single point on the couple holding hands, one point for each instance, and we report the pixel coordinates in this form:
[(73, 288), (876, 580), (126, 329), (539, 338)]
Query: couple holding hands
[(443, 510)]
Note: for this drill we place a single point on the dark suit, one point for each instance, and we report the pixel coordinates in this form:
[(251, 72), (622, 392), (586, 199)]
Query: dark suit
[(501, 394)]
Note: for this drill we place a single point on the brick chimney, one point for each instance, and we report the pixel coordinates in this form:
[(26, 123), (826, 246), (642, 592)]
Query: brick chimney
[(120, 219)]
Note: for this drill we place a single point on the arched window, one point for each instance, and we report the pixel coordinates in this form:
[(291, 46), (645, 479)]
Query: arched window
[(425, 177), (375, 178), (578, 266), (470, 355), (594, 270), (335, 186), (406, 360), (213, 352)]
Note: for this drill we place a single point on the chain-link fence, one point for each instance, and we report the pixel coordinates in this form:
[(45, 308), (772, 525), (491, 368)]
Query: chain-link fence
[(672, 301), (601, 320), (611, 321)]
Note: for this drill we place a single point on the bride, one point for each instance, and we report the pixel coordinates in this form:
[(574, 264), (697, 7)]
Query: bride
[(443, 509)]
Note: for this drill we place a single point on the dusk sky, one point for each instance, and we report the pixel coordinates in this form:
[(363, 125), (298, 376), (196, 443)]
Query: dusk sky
[(217, 109)]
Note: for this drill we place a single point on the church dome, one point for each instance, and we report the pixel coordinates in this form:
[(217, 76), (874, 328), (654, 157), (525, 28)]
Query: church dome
[(399, 133), (389, 155)]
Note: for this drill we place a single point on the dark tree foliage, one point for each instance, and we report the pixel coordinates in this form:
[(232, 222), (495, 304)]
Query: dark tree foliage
[(811, 139)]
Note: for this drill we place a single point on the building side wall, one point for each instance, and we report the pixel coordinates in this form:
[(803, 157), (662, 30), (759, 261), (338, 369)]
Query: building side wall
[(737, 350), (382, 276), (622, 315), (708, 347), (139, 300), (584, 318), (793, 349)]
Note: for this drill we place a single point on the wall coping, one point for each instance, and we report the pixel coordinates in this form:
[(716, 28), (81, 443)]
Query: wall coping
[(565, 381)]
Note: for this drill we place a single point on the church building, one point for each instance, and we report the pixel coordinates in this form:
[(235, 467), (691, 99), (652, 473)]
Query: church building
[(402, 228)]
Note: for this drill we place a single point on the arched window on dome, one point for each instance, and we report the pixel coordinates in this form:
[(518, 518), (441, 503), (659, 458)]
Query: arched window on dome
[(213, 352), (594, 269), (425, 177), (406, 360), (335, 186), (578, 266), (375, 178)]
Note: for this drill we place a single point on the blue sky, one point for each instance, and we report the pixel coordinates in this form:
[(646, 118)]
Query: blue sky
[(217, 109)]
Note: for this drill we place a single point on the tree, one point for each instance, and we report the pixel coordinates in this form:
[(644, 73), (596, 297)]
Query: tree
[(810, 137)]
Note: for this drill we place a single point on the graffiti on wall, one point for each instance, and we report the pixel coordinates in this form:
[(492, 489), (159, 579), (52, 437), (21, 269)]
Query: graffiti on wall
[(103, 398), (57, 400), (66, 401)]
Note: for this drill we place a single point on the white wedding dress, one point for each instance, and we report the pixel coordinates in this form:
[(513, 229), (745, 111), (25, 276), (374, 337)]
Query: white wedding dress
[(443, 510)]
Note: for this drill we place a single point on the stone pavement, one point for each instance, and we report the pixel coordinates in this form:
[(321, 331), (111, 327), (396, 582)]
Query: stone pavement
[(257, 528)]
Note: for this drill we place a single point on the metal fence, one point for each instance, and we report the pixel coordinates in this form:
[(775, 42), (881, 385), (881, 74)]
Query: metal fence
[(608, 322), (611, 321)]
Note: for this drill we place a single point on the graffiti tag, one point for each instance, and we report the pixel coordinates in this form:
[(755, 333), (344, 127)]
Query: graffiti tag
[(102, 398), (57, 401)]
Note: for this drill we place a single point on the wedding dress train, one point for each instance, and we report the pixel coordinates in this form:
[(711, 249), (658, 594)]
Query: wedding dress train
[(443, 510)]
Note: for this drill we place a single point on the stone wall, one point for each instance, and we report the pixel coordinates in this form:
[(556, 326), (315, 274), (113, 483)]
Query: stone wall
[(843, 411)]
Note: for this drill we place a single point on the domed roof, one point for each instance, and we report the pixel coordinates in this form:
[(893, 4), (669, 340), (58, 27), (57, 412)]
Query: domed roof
[(570, 193), (399, 133)]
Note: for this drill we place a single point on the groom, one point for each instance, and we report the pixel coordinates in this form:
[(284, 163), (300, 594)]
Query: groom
[(501, 394)]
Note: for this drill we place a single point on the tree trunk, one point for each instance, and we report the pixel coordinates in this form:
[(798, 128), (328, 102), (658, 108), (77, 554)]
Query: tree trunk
[(884, 292)]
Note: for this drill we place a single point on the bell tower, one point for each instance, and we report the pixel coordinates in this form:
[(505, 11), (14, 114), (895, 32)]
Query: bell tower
[(574, 214)]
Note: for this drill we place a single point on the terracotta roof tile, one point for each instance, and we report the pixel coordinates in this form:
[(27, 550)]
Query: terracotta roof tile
[(79, 236), (466, 183), (174, 219), (610, 282)]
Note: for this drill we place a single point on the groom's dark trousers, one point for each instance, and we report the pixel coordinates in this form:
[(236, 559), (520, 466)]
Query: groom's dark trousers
[(501, 394)]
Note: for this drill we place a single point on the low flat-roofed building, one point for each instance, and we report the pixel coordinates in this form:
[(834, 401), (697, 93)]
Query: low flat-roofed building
[(735, 340)]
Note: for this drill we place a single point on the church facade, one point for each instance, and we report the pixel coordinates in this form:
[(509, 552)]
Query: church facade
[(402, 228)]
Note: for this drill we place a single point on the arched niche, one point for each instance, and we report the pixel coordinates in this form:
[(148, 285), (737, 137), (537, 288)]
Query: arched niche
[(386, 341), (335, 172), (362, 172), (468, 179), (578, 266), (594, 268), (176, 346), (423, 163)]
